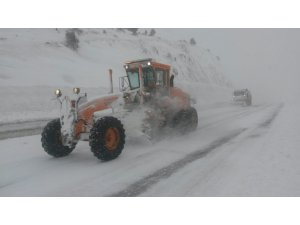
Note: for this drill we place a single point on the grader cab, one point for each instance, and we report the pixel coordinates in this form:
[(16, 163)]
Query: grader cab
[(153, 80)]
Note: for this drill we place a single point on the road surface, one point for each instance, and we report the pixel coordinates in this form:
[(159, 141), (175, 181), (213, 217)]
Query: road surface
[(236, 151)]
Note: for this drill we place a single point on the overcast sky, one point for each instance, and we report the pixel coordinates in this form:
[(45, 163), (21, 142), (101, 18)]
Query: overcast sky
[(263, 60)]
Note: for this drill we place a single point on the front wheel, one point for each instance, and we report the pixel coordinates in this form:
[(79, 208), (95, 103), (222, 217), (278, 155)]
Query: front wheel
[(52, 141), (107, 138)]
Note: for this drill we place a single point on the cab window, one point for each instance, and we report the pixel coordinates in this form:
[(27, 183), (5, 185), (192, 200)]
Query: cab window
[(160, 77), (133, 77), (149, 79)]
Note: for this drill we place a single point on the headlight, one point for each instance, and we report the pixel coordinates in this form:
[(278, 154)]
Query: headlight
[(149, 63), (76, 90), (58, 93)]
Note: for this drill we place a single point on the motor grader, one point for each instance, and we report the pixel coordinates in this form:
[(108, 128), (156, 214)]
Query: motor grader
[(147, 88)]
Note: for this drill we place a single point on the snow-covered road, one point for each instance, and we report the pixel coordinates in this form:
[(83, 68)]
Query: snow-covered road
[(236, 151)]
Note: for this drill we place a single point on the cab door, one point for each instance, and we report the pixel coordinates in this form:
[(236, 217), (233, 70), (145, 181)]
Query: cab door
[(161, 78)]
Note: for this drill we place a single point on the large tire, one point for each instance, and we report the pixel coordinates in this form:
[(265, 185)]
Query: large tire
[(249, 102), (179, 120), (193, 119), (107, 138), (185, 120), (51, 140)]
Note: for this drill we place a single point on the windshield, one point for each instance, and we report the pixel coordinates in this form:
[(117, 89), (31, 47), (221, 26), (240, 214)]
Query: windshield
[(133, 77), (239, 92), (148, 75)]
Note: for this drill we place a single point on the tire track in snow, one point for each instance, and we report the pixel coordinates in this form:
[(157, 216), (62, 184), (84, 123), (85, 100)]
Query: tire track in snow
[(145, 183), (266, 123), (271, 119), (234, 115), (142, 185)]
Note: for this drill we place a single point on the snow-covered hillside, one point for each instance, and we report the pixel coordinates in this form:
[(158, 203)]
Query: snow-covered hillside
[(34, 62), (40, 57)]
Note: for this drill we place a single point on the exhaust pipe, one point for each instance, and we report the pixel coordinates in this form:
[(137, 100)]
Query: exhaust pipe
[(111, 81), (141, 84)]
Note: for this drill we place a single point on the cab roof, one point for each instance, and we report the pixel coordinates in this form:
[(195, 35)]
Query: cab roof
[(140, 61), (240, 91), (146, 62)]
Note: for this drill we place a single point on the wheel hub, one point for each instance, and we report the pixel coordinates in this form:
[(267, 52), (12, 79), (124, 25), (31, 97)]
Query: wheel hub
[(112, 138)]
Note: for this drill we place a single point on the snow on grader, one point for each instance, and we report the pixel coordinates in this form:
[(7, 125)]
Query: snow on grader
[(147, 89)]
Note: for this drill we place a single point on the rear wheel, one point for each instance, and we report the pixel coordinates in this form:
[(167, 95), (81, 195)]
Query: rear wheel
[(179, 121), (192, 118), (52, 142), (107, 138), (185, 120), (249, 102)]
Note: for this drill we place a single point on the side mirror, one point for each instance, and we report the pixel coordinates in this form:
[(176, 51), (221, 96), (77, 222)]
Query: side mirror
[(172, 80), (122, 83)]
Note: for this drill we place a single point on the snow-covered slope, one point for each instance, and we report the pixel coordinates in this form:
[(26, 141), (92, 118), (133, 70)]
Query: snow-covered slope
[(40, 57), (34, 62)]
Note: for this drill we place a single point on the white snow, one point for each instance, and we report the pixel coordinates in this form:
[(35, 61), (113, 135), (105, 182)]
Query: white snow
[(236, 150), (264, 161), (261, 161)]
